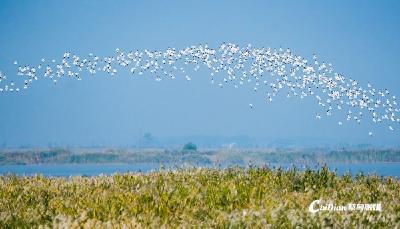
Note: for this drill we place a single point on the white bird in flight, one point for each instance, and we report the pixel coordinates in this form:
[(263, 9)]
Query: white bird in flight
[(266, 69)]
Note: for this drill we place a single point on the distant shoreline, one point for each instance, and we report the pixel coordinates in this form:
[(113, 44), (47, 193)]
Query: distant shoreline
[(208, 157)]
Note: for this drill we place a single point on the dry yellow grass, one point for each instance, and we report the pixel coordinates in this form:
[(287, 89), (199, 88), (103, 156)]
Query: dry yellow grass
[(229, 198)]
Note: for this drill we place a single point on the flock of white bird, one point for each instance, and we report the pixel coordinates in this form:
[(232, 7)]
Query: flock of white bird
[(268, 70)]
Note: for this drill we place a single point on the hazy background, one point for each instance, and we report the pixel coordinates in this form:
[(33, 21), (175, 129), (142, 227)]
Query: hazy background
[(361, 39)]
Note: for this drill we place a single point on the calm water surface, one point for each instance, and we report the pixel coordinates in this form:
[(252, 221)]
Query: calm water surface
[(381, 169)]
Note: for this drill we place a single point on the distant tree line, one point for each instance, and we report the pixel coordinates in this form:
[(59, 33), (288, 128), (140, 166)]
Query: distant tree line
[(190, 153)]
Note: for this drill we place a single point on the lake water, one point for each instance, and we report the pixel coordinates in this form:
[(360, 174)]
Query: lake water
[(65, 170)]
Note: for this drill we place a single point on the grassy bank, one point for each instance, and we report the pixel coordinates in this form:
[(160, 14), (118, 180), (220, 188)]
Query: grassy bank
[(255, 197), (232, 156)]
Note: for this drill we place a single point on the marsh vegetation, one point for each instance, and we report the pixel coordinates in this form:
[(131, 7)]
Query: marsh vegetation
[(234, 197)]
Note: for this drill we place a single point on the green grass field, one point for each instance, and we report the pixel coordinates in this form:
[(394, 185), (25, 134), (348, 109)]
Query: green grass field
[(229, 198)]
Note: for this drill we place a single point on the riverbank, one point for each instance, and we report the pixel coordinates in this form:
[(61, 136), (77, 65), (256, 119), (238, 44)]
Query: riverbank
[(204, 157), (235, 197)]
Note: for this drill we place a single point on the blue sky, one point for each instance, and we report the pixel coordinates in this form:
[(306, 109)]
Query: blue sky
[(361, 39)]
